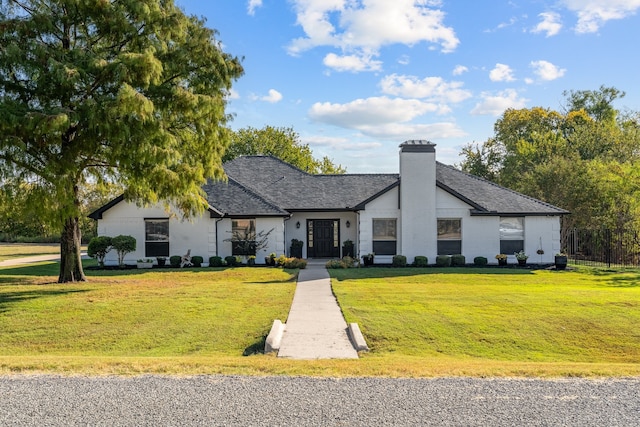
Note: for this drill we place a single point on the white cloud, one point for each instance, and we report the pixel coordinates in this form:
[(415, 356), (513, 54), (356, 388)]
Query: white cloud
[(501, 73), (384, 117), (253, 5), (432, 88), (496, 104), (337, 143), (273, 97), (592, 14), (233, 94), (363, 27), (547, 71), (353, 63), (550, 24), (460, 69)]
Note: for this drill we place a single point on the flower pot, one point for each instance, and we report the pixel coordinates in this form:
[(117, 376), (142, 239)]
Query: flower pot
[(522, 262), (561, 262), (502, 262), (161, 261), (144, 264)]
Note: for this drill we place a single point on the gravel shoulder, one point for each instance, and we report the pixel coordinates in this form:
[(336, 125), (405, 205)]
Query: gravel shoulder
[(301, 401)]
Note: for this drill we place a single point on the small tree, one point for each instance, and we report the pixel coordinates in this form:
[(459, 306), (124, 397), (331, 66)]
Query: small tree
[(99, 247), (249, 242), (123, 245)]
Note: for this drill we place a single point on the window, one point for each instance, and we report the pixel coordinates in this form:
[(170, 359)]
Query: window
[(449, 236), (511, 235), (243, 240), (384, 236), (156, 239)]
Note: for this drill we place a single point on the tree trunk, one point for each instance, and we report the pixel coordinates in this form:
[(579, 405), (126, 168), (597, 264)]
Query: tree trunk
[(70, 261)]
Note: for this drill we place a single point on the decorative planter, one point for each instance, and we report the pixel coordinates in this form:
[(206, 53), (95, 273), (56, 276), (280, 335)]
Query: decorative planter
[(144, 264), (522, 262), (561, 262), (367, 260), (502, 262), (161, 261)]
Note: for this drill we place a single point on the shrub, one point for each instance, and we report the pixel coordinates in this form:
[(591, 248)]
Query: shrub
[(443, 261), (123, 245), (281, 260), (480, 261), (295, 263), (215, 261), (231, 261), (458, 260), (399, 261), (175, 260), (335, 263), (99, 247), (348, 261), (420, 261), (197, 260)]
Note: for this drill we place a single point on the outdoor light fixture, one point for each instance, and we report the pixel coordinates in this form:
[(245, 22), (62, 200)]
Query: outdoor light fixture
[(348, 223), (298, 224)]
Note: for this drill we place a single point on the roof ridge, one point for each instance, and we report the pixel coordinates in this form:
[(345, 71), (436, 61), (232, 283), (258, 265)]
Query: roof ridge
[(478, 178)]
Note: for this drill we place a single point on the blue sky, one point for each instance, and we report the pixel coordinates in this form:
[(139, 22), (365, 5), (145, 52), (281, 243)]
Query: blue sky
[(355, 78)]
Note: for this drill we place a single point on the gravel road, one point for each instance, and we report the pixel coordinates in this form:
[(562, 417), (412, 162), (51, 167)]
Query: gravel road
[(297, 401)]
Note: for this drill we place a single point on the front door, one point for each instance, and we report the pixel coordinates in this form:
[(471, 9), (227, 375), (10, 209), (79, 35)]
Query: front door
[(323, 238)]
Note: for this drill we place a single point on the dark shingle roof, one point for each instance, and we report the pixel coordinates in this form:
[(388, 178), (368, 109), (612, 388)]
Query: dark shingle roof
[(489, 198), (234, 199), (293, 189)]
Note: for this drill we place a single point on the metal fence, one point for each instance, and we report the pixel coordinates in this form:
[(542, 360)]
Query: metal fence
[(602, 247)]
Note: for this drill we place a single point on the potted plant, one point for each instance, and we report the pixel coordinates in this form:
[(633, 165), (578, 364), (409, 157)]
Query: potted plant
[(368, 259), (251, 260), (561, 261), (521, 257), (296, 248), (161, 261), (144, 263), (502, 259), (347, 248), (271, 259)]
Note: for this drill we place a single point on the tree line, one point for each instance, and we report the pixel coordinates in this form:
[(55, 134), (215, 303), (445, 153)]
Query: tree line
[(583, 158)]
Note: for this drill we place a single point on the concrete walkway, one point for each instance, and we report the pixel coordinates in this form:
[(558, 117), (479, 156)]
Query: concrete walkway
[(34, 258), (315, 328)]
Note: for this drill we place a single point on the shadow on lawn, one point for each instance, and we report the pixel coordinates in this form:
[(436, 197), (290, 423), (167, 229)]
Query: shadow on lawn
[(255, 348), (8, 298)]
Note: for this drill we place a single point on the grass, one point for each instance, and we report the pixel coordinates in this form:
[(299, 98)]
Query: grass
[(18, 250), (505, 315), (419, 323)]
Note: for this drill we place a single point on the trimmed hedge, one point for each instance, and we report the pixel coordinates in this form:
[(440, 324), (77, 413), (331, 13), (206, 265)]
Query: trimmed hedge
[(231, 261), (399, 261), (480, 261), (420, 261), (458, 260), (197, 261), (215, 261), (175, 260), (443, 261)]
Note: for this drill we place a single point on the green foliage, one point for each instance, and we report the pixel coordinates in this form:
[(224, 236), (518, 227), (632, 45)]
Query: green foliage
[(458, 260), (295, 263), (132, 92), (399, 261), (231, 261), (335, 263), (548, 155), (283, 143), (197, 260), (420, 261), (215, 261), (123, 245), (175, 260), (480, 261), (443, 261), (99, 247)]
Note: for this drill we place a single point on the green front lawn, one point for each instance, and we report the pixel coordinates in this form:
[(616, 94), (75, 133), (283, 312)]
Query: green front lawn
[(19, 250), (495, 314)]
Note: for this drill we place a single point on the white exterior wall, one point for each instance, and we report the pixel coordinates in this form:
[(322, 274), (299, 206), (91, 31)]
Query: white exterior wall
[(276, 238), (197, 234), (346, 233), (385, 206), (545, 229), (417, 202)]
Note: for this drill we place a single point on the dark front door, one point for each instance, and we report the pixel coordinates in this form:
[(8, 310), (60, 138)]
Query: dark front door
[(323, 238)]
